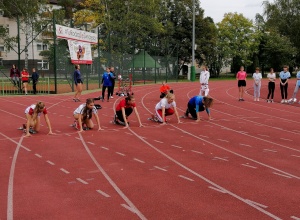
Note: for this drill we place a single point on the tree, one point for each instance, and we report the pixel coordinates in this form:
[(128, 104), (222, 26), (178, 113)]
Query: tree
[(237, 40)]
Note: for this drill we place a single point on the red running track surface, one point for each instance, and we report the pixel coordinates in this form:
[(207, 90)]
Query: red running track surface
[(243, 164)]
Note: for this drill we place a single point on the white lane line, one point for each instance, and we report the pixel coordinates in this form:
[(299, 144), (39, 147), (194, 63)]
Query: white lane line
[(77, 138), (175, 146), (184, 177), (286, 139), (138, 160), (295, 155), (197, 152), (128, 208), (128, 133), (39, 156), (159, 168), (10, 210), (223, 140), (68, 135), (217, 189), (263, 135), (295, 218), (50, 162), (279, 174), (82, 181), (105, 148), (247, 165), (103, 193), (246, 145), (257, 204), (65, 171), (112, 183), (270, 150), (220, 158), (91, 143), (159, 141), (121, 154)]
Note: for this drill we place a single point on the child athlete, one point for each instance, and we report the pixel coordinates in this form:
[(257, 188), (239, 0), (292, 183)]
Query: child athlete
[(204, 77), (32, 114), (124, 109), (293, 99), (198, 104), (166, 106), (83, 115)]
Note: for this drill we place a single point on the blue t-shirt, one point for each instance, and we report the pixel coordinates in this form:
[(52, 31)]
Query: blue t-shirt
[(284, 75), (106, 79), (298, 78), (196, 102)]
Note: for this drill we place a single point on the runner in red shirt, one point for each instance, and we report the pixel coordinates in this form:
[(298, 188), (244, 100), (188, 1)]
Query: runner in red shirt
[(164, 90), (124, 109)]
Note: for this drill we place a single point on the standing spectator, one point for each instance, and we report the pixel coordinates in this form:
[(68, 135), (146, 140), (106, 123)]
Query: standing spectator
[(25, 79), (15, 75), (284, 78), (257, 84), (78, 83), (113, 79), (166, 106), (241, 77), (271, 85), (35, 79), (204, 77), (198, 104), (124, 109), (293, 99), (106, 83)]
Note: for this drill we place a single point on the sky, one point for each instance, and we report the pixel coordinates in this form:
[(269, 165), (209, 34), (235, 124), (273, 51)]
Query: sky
[(217, 8)]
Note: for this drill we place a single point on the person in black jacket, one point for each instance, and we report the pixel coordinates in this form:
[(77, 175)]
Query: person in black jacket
[(35, 79), (113, 79)]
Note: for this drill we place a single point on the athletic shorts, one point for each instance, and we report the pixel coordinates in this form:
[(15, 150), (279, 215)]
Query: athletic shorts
[(241, 83), (78, 81), (25, 81)]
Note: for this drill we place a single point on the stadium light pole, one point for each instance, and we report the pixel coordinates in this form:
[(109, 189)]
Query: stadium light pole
[(193, 68)]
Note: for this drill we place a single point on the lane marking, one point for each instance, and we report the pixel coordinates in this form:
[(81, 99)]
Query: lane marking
[(103, 193), (219, 158), (247, 165), (39, 156), (128, 208), (286, 139), (50, 162), (279, 174), (223, 140), (246, 145), (270, 150), (263, 135), (175, 146), (198, 152), (294, 217), (10, 190), (82, 181), (258, 204), (184, 177), (202, 136), (112, 183), (105, 148), (159, 168), (65, 171), (217, 189), (295, 156), (138, 160), (158, 141), (121, 154), (91, 143)]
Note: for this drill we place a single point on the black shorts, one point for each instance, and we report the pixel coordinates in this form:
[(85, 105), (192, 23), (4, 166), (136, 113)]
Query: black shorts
[(25, 81), (242, 83), (78, 81)]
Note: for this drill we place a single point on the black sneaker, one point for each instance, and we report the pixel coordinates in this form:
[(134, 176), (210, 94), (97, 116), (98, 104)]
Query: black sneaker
[(31, 131)]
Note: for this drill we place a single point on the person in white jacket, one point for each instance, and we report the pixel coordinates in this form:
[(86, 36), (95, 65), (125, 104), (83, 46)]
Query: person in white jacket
[(204, 77)]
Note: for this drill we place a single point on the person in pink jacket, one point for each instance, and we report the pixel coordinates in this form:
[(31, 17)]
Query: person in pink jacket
[(241, 77)]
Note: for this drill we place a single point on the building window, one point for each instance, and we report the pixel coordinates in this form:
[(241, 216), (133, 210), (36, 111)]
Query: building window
[(43, 65), (1, 48), (41, 47)]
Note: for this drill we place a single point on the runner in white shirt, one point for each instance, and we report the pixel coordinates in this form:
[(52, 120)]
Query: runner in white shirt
[(83, 115), (166, 106)]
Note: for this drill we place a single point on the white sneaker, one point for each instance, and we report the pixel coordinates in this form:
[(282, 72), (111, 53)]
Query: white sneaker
[(111, 97), (286, 101), (282, 101)]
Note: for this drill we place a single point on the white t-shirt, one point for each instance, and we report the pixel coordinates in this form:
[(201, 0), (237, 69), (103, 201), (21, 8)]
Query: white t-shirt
[(257, 77), (164, 103), (271, 76), (79, 110), (204, 77)]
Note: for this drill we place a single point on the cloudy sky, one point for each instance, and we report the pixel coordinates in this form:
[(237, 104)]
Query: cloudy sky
[(217, 8)]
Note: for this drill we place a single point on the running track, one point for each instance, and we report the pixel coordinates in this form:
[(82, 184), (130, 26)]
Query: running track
[(243, 164)]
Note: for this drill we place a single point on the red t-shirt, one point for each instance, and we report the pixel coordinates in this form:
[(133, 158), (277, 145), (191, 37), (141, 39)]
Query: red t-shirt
[(25, 75), (124, 105), (164, 89)]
